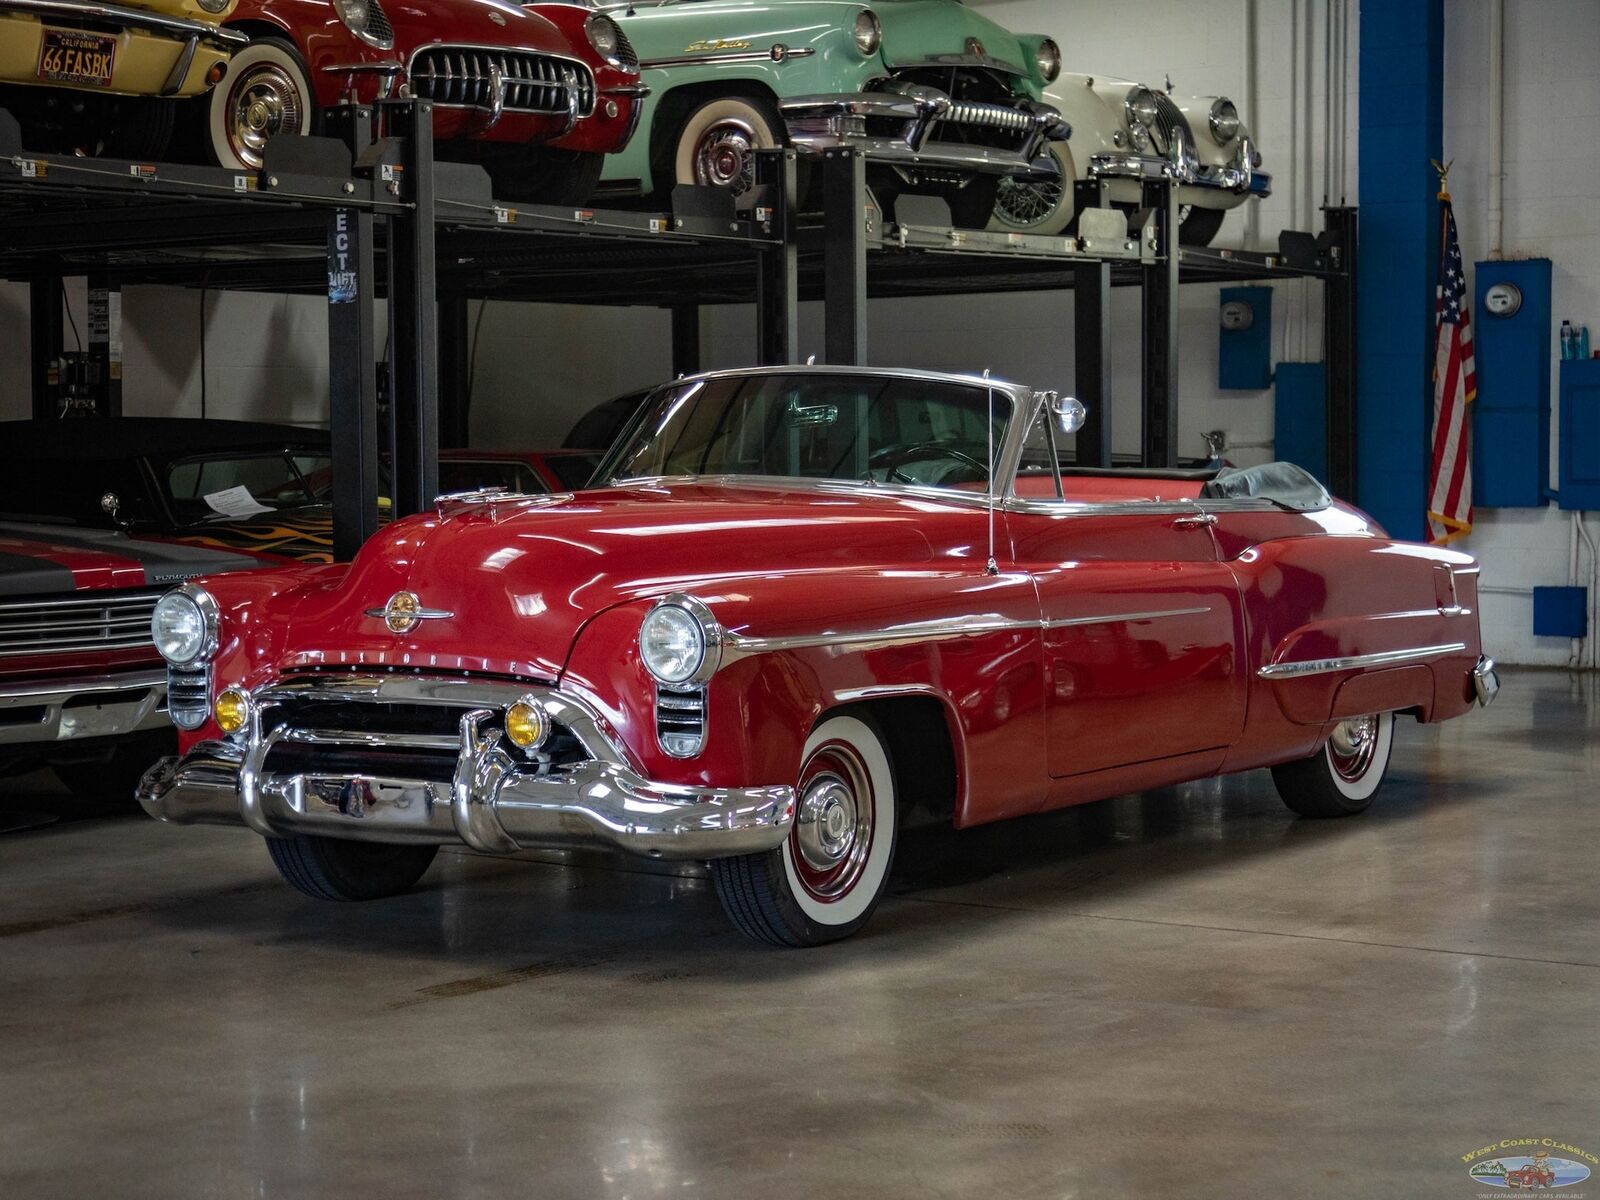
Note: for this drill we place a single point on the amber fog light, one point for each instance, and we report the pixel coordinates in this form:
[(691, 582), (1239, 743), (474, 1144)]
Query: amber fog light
[(526, 724), (232, 710)]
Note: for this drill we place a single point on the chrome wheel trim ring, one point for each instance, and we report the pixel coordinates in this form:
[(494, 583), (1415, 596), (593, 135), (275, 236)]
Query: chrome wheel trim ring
[(723, 156), (263, 103), (831, 838), (1352, 746), (1026, 204)]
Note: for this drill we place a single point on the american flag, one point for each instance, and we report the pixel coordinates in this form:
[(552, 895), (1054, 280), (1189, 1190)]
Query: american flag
[(1455, 385)]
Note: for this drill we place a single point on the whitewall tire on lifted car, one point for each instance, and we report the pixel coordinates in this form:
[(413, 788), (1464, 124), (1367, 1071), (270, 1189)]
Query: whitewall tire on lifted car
[(1342, 777), (267, 93), (825, 880), (717, 142)]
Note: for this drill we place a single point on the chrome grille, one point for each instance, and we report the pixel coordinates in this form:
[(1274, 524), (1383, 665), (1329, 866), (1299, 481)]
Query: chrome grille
[(1171, 127), (468, 77), (189, 695), (681, 720), (79, 621), (993, 116)]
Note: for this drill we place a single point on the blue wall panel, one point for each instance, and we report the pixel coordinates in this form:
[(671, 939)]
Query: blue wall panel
[(1511, 416), (1579, 482), (1401, 122), (1244, 356), (1300, 416)]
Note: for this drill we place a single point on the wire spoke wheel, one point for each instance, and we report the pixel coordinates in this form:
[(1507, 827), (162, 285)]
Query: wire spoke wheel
[(1026, 203)]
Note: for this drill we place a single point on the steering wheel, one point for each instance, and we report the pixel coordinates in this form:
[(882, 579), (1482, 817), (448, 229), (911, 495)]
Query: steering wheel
[(895, 457)]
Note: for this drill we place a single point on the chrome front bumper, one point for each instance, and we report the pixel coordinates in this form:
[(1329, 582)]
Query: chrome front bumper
[(496, 802), (1485, 681), (817, 124), (1239, 178), (177, 28), (92, 706)]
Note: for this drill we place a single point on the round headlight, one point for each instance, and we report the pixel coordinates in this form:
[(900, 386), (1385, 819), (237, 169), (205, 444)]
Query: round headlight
[(1047, 60), (1225, 122), (184, 626), (867, 31), (680, 642), (1142, 108), (214, 6), (354, 13), (1139, 138), (604, 35)]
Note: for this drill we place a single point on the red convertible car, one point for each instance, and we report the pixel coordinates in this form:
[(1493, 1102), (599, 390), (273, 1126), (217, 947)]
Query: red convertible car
[(801, 602), (538, 94)]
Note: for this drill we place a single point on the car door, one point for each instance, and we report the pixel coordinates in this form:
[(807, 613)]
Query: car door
[(1142, 631)]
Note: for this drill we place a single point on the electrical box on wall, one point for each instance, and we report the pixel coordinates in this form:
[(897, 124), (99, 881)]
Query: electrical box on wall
[(1244, 349), (1561, 612), (1300, 416), (1579, 482), (1511, 416)]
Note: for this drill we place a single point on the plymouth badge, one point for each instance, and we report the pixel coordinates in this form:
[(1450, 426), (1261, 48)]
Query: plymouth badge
[(404, 611)]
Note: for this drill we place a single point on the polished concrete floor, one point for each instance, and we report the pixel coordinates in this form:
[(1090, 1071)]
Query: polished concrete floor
[(1182, 994)]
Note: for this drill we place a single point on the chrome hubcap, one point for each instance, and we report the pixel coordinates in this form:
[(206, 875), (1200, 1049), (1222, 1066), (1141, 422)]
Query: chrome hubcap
[(264, 103), (826, 823), (723, 157), (832, 835), (1352, 745)]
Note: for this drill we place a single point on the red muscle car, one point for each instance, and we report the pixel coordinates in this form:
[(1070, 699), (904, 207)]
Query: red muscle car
[(538, 94), (799, 599), (82, 688)]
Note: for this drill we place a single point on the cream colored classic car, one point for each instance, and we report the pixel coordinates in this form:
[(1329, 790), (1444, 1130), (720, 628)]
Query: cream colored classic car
[(1123, 133), (84, 77)]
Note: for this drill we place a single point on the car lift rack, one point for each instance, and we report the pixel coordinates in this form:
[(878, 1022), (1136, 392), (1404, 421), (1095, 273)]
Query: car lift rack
[(389, 221)]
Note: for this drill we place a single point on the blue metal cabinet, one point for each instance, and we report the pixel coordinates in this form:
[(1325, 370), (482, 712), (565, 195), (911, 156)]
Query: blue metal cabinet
[(1579, 484), (1511, 416)]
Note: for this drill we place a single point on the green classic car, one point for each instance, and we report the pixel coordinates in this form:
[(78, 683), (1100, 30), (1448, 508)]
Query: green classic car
[(942, 100)]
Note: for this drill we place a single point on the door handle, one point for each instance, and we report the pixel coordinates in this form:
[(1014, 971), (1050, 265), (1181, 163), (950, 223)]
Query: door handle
[(1197, 521)]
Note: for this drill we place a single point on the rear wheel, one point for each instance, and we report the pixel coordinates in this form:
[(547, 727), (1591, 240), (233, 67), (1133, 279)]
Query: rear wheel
[(267, 93), (334, 869), (1200, 225), (825, 880), (1342, 777)]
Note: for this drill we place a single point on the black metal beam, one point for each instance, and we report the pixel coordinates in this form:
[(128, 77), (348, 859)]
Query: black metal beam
[(414, 352), (352, 379), (844, 267), (455, 370), (1158, 435), (1339, 351), (778, 266), (1091, 322), (44, 343), (685, 339)]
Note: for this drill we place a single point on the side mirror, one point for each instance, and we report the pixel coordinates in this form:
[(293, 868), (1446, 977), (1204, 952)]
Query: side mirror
[(1067, 411), (111, 505)]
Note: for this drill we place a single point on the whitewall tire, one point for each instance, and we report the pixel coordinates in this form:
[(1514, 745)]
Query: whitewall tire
[(717, 142), (267, 93), (1031, 206), (830, 873), (1342, 777)]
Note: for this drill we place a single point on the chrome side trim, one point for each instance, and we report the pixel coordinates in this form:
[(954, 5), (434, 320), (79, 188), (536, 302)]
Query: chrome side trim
[(1113, 618), (777, 53), (1384, 658)]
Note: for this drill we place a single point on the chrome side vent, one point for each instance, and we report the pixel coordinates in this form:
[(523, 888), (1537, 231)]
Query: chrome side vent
[(681, 721), (189, 695)]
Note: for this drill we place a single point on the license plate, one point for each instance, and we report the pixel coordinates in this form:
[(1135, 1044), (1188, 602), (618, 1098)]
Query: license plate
[(69, 56)]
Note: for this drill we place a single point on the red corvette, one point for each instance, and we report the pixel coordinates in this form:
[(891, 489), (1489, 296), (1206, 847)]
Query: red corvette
[(803, 599), (537, 94)]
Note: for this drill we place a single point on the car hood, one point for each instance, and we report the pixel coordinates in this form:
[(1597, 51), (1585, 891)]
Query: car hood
[(46, 560), (917, 30), (514, 581), (471, 23)]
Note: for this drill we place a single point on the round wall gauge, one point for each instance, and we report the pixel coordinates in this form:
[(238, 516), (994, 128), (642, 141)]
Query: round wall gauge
[(1237, 315), (1503, 299)]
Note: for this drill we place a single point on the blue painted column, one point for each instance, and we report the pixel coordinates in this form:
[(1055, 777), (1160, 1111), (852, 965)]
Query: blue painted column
[(1401, 129)]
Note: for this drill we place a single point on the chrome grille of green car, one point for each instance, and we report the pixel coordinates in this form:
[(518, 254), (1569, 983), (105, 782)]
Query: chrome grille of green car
[(470, 77), (997, 116)]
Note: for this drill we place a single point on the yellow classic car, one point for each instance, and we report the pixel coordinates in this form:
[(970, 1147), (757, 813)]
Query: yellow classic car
[(85, 77)]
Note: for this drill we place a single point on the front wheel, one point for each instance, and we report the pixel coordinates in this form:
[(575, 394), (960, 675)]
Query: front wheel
[(334, 869), (1042, 206), (541, 175), (1340, 779), (267, 93), (825, 880), (717, 142), (1200, 225)]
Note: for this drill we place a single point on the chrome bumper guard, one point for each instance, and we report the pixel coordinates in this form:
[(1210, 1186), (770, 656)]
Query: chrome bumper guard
[(817, 124), (178, 28), (1240, 176), (497, 802), (1485, 681), (58, 710)]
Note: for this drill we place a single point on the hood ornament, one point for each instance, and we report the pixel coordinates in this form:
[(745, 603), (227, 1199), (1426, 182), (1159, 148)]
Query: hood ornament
[(975, 47), (404, 612)]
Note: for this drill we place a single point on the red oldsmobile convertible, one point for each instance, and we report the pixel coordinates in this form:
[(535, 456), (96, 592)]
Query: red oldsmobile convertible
[(538, 95), (802, 609)]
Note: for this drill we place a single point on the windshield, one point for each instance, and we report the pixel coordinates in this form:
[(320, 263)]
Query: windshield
[(242, 485), (879, 428)]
